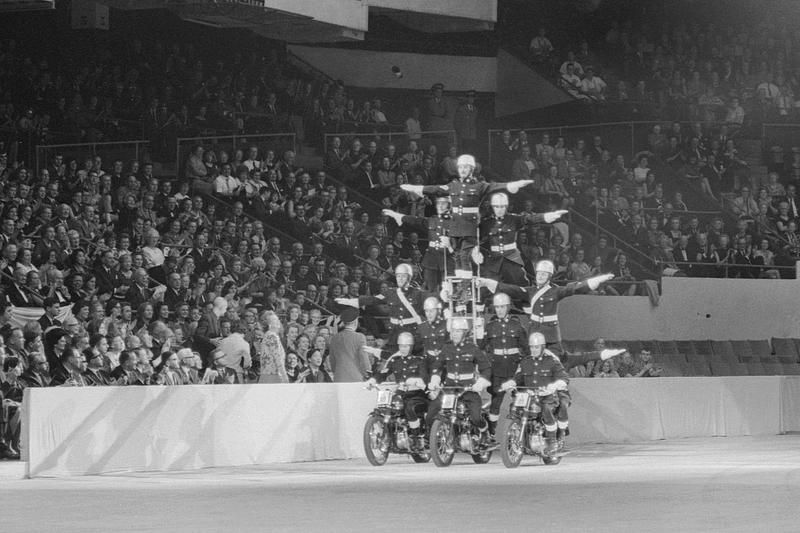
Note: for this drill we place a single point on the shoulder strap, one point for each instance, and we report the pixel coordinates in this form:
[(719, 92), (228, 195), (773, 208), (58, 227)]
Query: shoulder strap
[(410, 308)]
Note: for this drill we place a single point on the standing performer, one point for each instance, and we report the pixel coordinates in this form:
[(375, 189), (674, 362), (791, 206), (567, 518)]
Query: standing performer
[(502, 259), (542, 299), (439, 249), (466, 195), (433, 332), (505, 342), (405, 306)]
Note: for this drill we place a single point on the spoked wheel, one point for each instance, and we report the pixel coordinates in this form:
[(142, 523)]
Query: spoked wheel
[(443, 448), (376, 441), (511, 446)]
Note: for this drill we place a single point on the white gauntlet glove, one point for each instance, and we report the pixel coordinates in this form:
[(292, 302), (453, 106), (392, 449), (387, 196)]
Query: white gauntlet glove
[(351, 302), (508, 385), (480, 385), (477, 256), (608, 353), (597, 280), (415, 384), (371, 383), (551, 217)]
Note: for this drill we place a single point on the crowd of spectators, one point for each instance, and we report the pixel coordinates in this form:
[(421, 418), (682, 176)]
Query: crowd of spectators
[(737, 72), (687, 197)]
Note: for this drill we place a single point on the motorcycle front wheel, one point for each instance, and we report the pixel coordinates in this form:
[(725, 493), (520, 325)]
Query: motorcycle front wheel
[(443, 447), (376, 441), (511, 445)]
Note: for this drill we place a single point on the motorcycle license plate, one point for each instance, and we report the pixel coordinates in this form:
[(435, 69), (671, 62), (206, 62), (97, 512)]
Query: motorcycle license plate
[(384, 398), (521, 400), (448, 401)]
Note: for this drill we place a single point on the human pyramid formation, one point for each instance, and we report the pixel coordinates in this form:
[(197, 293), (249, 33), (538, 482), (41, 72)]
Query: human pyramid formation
[(430, 348)]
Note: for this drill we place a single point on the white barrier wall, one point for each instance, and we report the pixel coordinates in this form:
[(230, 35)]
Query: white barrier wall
[(71, 431)]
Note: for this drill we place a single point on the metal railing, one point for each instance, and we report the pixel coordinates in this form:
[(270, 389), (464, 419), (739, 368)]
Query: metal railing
[(108, 150), (725, 267)]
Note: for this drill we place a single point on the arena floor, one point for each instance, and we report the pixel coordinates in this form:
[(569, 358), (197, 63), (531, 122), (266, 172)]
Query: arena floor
[(720, 484)]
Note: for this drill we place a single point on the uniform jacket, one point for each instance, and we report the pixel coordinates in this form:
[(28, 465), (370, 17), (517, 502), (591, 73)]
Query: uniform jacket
[(433, 336), (460, 364), (544, 311), (436, 226), (404, 367), (399, 314), (465, 195), (505, 343), (540, 371), (499, 239)]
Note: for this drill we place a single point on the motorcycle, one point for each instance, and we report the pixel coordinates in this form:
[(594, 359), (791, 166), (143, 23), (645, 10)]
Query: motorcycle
[(452, 431), (525, 433), (386, 430)]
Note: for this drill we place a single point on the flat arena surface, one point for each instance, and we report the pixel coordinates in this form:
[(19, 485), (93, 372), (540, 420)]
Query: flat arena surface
[(718, 484)]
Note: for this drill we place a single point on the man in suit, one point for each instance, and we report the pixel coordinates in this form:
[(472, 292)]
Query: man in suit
[(95, 373), (174, 295), (55, 287), (347, 244), (440, 117), (139, 291), (348, 351), (37, 374), (73, 366), (107, 278), (189, 366), (51, 308), (209, 333), (126, 373), (17, 293), (465, 123)]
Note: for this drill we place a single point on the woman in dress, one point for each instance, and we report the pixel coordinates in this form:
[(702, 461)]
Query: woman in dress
[(270, 351)]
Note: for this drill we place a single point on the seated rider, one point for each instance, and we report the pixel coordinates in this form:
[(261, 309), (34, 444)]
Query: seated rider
[(461, 364), (410, 372), (543, 370)]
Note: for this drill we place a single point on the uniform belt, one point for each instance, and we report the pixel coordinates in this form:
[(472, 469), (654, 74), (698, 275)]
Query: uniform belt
[(504, 247), (460, 377), (505, 351), (465, 210), (544, 319), (403, 321)]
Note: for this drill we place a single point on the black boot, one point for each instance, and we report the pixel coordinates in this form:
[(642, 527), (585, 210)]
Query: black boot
[(560, 436), (7, 452), (551, 443), (492, 432)]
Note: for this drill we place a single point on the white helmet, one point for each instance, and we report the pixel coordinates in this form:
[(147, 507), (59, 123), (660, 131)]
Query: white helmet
[(545, 265), (501, 298), (499, 200), (405, 338), (536, 339), (431, 302), (466, 159), (403, 268), (459, 323)]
